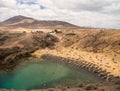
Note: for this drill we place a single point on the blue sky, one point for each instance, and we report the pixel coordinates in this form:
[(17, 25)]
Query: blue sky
[(42, 7), (30, 3), (95, 13)]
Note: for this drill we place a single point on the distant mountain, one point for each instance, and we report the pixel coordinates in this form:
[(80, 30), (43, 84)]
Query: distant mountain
[(26, 22), (16, 19)]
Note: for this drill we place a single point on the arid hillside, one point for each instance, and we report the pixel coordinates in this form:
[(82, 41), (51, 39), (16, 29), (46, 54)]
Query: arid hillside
[(26, 22), (93, 40)]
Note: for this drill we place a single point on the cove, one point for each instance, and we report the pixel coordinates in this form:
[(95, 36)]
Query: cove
[(45, 74)]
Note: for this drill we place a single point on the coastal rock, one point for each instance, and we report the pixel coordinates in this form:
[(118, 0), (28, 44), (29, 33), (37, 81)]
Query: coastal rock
[(7, 51)]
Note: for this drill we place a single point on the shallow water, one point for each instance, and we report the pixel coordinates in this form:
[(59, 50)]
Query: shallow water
[(45, 74)]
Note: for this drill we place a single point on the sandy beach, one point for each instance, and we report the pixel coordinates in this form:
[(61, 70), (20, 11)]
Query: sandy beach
[(108, 61)]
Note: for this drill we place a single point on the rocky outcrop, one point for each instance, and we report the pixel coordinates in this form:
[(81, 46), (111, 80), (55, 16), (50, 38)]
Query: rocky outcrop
[(10, 58), (7, 51), (45, 40), (16, 56)]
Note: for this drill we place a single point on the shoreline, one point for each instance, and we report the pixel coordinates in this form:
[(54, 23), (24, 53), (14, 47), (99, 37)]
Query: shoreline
[(81, 64), (99, 61), (107, 77)]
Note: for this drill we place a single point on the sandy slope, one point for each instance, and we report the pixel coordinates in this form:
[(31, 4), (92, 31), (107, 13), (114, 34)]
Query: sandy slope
[(101, 60), (98, 47)]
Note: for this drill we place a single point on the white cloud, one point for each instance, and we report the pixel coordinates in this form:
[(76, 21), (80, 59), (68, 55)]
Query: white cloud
[(8, 4), (94, 13)]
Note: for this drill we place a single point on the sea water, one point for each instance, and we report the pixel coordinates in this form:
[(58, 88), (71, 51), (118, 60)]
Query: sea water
[(45, 74)]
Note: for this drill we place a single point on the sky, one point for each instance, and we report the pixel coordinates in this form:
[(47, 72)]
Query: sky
[(88, 13)]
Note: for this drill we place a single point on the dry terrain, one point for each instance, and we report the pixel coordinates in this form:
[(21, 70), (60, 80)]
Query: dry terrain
[(100, 47)]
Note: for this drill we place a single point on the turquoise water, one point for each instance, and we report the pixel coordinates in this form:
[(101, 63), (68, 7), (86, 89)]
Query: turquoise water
[(45, 74)]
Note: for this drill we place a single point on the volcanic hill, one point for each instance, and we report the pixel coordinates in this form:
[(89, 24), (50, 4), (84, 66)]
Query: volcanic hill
[(26, 22)]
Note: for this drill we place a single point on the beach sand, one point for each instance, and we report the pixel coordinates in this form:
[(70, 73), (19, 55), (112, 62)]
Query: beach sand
[(106, 61)]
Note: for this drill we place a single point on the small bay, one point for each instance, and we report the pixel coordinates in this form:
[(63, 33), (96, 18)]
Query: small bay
[(45, 74)]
